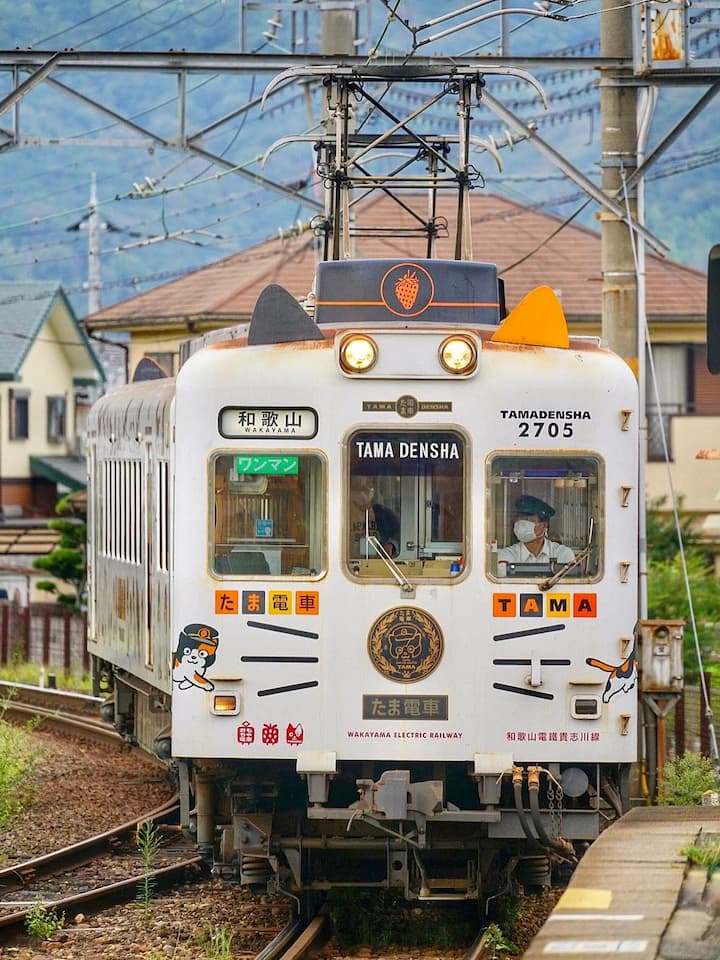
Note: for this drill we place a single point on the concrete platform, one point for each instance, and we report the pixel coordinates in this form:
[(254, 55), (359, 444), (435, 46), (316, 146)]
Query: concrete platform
[(634, 893)]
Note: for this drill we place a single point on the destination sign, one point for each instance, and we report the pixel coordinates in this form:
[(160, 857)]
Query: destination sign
[(256, 423)]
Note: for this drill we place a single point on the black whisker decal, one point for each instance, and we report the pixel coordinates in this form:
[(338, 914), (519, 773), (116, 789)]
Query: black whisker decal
[(271, 626), (280, 659), (527, 662), (288, 689), (523, 691), (528, 633)]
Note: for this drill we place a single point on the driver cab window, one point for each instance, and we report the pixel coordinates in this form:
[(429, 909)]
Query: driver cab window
[(406, 503), (545, 516), (268, 515)]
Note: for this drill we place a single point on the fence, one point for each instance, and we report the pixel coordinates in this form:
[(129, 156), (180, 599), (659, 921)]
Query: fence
[(46, 634), (688, 725)]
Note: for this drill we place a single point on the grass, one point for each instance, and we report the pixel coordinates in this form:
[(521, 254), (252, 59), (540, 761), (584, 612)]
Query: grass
[(704, 853), (32, 674), (18, 760), (215, 942)]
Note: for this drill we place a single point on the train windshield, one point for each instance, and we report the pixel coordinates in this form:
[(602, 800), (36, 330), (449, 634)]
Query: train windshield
[(269, 514), (546, 517), (406, 502)]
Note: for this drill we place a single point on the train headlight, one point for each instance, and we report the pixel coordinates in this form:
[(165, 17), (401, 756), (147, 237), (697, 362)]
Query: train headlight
[(225, 703), (458, 354), (358, 353)]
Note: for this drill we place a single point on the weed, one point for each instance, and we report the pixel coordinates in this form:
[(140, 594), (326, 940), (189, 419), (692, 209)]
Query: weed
[(704, 853), (43, 922), (148, 843), (496, 941), (215, 942), (686, 778)]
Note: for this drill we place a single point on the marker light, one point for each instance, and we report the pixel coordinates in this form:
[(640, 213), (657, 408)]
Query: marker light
[(458, 354), (358, 353), (224, 703)]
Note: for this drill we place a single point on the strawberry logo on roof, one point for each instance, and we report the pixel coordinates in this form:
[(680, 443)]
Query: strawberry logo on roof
[(407, 289)]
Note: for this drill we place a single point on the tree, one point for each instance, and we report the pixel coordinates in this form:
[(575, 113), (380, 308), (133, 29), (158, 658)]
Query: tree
[(67, 561), (667, 589), (662, 534)]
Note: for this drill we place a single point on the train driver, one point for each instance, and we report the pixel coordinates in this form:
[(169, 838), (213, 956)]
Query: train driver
[(532, 529), (369, 518)]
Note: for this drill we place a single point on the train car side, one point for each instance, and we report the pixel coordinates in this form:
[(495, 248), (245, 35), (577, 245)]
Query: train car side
[(129, 556)]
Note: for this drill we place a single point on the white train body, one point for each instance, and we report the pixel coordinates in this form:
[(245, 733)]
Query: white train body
[(342, 716)]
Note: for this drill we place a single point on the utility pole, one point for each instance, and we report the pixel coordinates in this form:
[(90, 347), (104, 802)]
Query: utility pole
[(618, 120), (338, 35), (94, 281), (338, 27)]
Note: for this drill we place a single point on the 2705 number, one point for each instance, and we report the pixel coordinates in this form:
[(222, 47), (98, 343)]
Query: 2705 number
[(539, 428)]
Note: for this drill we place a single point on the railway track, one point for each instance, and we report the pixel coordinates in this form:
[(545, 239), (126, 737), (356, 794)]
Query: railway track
[(100, 870), (103, 870), (58, 709)]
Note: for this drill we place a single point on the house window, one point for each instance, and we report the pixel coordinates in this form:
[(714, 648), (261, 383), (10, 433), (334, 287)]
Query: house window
[(668, 394), (19, 414), (56, 419), (165, 361)]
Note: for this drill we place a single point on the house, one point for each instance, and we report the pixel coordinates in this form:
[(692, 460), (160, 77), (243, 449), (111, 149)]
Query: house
[(49, 374), (530, 250)]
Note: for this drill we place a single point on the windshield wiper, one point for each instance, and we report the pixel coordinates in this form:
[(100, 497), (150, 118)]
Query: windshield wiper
[(407, 587), (583, 555), (551, 581)]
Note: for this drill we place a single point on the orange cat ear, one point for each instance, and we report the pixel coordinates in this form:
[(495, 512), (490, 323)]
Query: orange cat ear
[(538, 321)]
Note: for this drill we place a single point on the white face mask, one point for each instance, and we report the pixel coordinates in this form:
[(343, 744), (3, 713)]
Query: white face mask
[(524, 530)]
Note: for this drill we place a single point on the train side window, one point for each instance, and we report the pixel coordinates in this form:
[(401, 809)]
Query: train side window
[(546, 514), (406, 498), (268, 514)]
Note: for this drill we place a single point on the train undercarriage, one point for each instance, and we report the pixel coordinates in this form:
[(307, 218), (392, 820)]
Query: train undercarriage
[(431, 831)]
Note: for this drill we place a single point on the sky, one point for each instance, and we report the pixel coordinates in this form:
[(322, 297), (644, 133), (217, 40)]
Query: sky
[(165, 211)]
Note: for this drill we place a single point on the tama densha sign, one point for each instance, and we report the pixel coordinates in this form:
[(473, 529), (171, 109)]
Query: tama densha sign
[(290, 423)]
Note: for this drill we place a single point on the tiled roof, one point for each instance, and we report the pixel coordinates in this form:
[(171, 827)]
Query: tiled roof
[(521, 241), (23, 309), (31, 541)]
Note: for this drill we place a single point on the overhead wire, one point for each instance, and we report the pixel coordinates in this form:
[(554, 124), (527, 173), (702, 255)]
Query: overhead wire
[(125, 23), (175, 23), (561, 226), (80, 23), (673, 494)]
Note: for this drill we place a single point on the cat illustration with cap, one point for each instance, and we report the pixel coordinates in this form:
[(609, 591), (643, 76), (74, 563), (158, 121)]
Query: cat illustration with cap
[(195, 652), (621, 679)]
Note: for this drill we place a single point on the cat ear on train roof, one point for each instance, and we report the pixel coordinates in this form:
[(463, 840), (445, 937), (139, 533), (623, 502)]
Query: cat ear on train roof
[(279, 318), (537, 321)]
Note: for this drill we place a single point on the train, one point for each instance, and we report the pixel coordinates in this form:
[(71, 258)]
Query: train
[(314, 587)]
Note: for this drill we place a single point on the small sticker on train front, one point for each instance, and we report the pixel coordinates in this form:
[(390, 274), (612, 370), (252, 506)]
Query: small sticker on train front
[(226, 601), (280, 602), (253, 601)]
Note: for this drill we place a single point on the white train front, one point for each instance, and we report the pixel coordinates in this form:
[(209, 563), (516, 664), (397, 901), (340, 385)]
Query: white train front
[(367, 686)]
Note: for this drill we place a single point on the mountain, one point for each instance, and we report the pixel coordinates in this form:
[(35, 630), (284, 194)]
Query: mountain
[(164, 212)]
